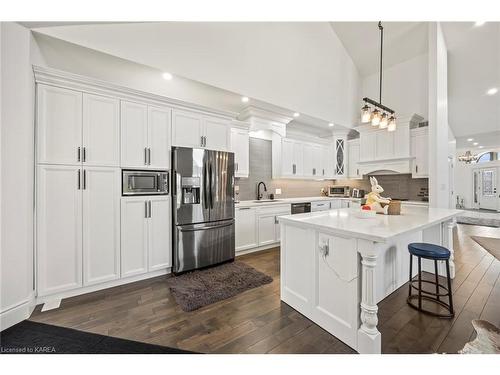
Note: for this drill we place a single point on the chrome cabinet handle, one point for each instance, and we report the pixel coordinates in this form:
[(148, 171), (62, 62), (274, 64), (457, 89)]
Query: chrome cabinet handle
[(149, 208), (145, 156), (84, 179), (314, 171), (276, 220), (79, 186), (243, 208), (204, 141), (294, 168), (201, 141), (237, 167), (78, 153), (416, 168), (84, 154), (145, 209), (149, 156)]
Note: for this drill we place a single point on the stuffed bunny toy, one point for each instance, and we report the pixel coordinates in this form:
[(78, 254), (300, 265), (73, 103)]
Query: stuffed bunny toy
[(374, 199)]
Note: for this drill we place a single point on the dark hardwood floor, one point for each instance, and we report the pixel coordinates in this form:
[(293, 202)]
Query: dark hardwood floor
[(257, 322)]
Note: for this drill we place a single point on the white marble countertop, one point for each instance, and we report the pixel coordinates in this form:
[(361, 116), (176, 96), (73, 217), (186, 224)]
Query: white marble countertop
[(275, 202), (278, 201), (379, 228)]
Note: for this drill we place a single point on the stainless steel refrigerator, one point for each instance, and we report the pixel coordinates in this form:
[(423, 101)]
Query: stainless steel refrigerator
[(202, 208)]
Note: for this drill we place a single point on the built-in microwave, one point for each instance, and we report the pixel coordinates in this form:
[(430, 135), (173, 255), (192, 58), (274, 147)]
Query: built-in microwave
[(339, 191), (141, 182)]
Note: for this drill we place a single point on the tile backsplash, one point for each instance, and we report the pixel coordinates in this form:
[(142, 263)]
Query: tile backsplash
[(395, 186)]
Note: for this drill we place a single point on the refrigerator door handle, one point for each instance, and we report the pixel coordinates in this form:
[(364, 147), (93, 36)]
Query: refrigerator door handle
[(211, 180), (208, 227), (205, 186)]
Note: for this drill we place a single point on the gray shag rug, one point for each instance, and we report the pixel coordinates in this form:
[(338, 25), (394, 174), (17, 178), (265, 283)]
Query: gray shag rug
[(196, 289), (495, 223)]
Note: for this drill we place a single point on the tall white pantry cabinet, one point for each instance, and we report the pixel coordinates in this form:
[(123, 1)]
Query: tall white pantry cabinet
[(80, 148)]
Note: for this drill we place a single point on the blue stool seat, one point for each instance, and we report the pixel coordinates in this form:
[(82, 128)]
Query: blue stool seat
[(429, 251)]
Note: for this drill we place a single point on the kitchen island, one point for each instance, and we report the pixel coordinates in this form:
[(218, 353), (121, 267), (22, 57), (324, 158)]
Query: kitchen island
[(336, 267)]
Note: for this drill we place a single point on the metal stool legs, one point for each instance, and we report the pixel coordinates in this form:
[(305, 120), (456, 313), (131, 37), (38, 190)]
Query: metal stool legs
[(429, 296)]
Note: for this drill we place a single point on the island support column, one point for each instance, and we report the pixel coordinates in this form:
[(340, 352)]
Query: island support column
[(369, 338)]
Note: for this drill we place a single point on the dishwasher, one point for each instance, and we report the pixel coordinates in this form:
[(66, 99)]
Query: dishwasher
[(300, 208)]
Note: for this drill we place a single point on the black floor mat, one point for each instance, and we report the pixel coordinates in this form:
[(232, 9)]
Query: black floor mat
[(31, 337)]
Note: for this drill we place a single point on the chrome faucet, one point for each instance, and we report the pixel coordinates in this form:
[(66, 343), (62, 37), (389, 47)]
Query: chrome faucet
[(259, 195)]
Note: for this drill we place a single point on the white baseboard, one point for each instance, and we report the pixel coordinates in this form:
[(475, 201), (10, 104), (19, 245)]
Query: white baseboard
[(96, 287), (17, 314), (256, 249)]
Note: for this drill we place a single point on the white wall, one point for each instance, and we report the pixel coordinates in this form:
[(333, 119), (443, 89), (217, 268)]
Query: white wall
[(439, 171), (405, 87), (302, 66), (16, 175)]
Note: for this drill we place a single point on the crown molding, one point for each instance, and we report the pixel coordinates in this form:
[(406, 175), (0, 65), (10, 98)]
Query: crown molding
[(55, 77)]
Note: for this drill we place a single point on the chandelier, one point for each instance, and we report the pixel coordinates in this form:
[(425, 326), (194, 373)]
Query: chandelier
[(467, 157), (379, 115)]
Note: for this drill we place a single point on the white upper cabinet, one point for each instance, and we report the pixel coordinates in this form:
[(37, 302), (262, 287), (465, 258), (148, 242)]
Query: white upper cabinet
[(240, 145), (187, 129), (191, 129), (159, 137), (101, 131), (353, 152), (144, 136), (384, 145), (367, 147), (159, 243), (101, 224), (59, 228), (216, 134), (134, 134), (420, 151), (288, 166), (59, 125), (402, 142)]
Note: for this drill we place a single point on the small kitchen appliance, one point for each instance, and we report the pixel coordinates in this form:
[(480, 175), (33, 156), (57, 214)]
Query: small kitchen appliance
[(339, 191)]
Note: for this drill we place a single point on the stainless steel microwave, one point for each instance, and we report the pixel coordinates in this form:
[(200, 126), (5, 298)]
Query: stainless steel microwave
[(338, 191), (135, 182)]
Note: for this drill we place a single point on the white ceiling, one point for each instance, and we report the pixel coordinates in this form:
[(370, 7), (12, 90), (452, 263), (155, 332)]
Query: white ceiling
[(473, 68), (402, 41)]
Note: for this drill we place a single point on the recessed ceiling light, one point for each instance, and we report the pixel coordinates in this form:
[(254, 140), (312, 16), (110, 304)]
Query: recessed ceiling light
[(470, 139), (167, 76), (481, 146), (296, 114), (330, 124), (475, 143), (479, 23), (245, 99), (492, 91)]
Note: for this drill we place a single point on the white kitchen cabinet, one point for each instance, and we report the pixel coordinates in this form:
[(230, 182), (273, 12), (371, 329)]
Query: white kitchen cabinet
[(134, 236), (288, 168), (144, 136), (384, 144), (159, 137), (101, 131), (217, 133), (420, 151), (267, 230), (159, 240), (187, 129), (327, 162), (367, 146), (59, 125), (134, 134), (402, 142), (101, 190), (59, 228), (323, 205), (240, 145), (353, 152), (145, 234), (191, 129), (312, 161), (246, 228)]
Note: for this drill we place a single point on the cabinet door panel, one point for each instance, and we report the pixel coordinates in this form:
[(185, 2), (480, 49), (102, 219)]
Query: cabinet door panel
[(160, 245), (101, 130), (134, 235), (240, 146), (308, 164), (134, 134), (101, 225), (298, 158), (187, 129), (367, 147), (245, 228), (384, 147), (216, 133), (59, 229), (267, 232), (353, 160), (159, 138), (59, 125), (288, 166)]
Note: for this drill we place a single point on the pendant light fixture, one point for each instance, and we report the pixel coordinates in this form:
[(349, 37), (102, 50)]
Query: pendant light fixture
[(381, 116)]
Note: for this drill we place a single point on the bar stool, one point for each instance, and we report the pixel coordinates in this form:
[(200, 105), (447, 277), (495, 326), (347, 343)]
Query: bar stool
[(435, 253)]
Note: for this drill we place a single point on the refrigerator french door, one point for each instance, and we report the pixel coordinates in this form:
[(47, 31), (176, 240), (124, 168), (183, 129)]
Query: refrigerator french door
[(203, 212)]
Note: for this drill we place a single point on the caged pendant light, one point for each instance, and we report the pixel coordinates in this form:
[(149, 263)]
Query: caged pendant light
[(381, 116)]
